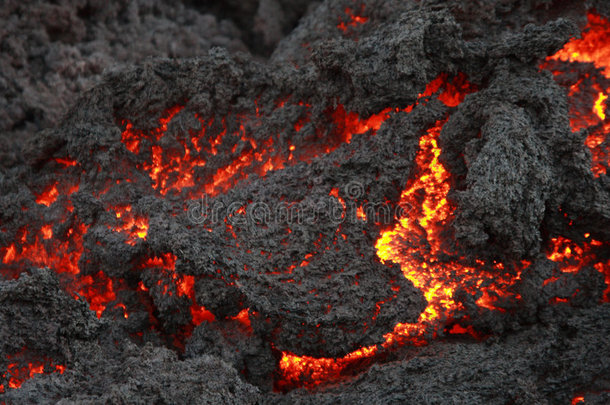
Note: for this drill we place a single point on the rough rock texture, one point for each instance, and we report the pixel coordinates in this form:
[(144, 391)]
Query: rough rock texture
[(333, 274), (174, 139), (263, 22), (509, 149), (38, 299), (342, 266), (51, 53), (491, 373), (139, 375)]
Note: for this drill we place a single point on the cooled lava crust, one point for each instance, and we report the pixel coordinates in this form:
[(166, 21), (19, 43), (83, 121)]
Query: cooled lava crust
[(406, 201)]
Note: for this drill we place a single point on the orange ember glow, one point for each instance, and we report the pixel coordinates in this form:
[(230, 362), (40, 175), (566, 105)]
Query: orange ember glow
[(99, 292), (243, 317), (47, 232), (60, 255), (19, 371), (578, 400), (48, 196), (67, 162), (600, 106), (184, 285), (354, 20), (572, 257), (416, 244), (63, 257), (183, 165), (200, 314), (175, 169), (593, 48), (135, 226)]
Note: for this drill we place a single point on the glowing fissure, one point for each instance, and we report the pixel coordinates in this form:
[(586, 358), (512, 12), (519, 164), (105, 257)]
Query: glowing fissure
[(182, 284), (572, 257), (594, 48), (42, 251), (133, 225), (20, 370), (415, 243), (354, 19), (416, 231), (172, 170), (587, 99)]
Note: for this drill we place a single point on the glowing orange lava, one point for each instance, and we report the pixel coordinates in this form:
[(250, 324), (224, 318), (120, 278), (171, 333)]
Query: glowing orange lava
[(415, 244), (99, 292), (578, 400), (600, 106), (48, 196), (174, 169), (62, 256), (135, 226), (243, 317), (572, 257), (594, 48), (354, 19), (18, 372), (184, 285)]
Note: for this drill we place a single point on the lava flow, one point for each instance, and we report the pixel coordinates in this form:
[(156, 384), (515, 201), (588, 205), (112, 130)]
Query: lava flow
[(588, 94), (19, 370), (416, 244), (354, 19), (587, 98), (333, 201), (172, 170), (573, 257)]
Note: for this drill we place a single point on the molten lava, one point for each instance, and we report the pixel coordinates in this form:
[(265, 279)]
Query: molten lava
[(135, 226), (354, 19), (592, 47), (180, 284), (20, 370), (48, 196), (588, 96), (416, 242), (573, 257)]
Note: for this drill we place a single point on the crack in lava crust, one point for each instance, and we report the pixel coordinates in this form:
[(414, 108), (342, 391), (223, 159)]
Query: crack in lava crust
[(587, 96), (416, 244)]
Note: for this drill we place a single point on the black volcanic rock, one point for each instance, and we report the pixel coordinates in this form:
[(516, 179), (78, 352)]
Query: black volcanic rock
[(238, 167), (140, 375), (543, 363), (35, 312), (53, 52)]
